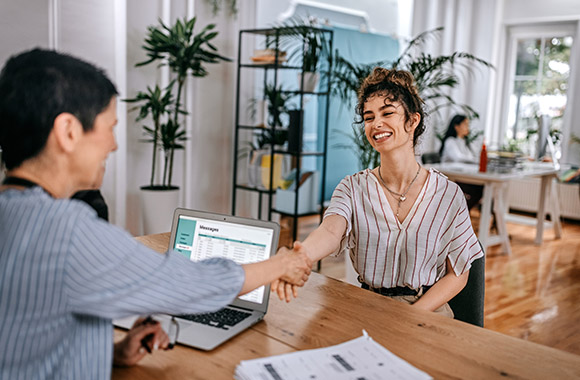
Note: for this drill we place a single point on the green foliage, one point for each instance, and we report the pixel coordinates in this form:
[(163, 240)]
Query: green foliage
[(302, 39), (158, 104), (367, 158), (186, 54), (434, 77), (278, 103), (269, 136)]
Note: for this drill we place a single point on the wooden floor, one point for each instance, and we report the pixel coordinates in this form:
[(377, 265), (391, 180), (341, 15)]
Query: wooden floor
[(533, 294)]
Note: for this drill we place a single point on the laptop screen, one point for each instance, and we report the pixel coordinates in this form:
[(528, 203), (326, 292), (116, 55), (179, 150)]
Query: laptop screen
[(198, 238)]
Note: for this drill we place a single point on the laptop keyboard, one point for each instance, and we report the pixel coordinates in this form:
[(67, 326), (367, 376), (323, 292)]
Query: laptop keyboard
[(223, 319)]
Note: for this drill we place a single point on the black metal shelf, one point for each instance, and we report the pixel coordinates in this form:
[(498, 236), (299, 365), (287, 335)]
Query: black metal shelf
[(294, 153), (271, 73), (269, 66), (259, 127), (298, 92), (254, 188)]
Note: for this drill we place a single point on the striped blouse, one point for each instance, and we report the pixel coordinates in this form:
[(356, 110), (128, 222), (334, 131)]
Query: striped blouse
[(387, 253), (64, 274)]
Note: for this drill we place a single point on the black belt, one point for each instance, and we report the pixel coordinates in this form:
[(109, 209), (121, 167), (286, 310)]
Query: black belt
[(396, 291)]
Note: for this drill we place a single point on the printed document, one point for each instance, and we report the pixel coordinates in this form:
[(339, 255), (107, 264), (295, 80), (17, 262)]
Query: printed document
[(358, 359)]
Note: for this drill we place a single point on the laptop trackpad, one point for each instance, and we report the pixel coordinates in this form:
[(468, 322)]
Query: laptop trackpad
[(208, 337)]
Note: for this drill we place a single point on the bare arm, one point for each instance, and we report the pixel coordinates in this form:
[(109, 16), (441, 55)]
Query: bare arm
[(321, 242), (291, 266), (443, 290), (325, 239)]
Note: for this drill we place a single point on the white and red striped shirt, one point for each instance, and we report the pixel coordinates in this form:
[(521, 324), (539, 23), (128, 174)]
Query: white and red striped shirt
[(387, 253)]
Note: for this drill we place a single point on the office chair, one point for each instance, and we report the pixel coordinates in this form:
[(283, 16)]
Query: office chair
[(431, 158), (468, 304)]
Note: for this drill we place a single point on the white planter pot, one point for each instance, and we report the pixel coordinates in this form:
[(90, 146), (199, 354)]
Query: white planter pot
[(310, 81), (157, 208)]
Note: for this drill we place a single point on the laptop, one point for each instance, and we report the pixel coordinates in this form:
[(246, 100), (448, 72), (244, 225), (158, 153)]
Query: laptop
[(200, 235)]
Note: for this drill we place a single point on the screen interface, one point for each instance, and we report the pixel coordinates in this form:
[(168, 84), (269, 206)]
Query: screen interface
[(199, 239)]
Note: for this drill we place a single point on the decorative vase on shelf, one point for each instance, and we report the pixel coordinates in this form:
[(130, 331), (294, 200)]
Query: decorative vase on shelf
[(255, 167)]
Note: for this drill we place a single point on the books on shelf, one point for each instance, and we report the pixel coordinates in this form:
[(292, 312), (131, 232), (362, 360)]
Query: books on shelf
[(268, 56)]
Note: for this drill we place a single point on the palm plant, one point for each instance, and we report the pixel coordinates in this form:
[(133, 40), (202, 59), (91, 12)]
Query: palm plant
[(156, 103), (278, 103), (302, 39), (186, 54), (434, 77)]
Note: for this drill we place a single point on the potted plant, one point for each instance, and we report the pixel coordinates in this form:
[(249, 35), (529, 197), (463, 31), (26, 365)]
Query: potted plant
[(306, 41), (186, 54), (273, 135), (434, 77)]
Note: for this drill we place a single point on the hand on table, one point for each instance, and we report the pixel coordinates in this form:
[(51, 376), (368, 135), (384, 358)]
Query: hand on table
[(130, 350)]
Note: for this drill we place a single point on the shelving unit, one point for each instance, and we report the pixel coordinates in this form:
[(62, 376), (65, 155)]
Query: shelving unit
[(272, 73)]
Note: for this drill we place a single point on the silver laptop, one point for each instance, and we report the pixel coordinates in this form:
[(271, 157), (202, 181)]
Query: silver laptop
[(201, 235)]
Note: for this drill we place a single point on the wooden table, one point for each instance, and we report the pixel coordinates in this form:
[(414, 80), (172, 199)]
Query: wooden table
[(495, 188), (329, 312)]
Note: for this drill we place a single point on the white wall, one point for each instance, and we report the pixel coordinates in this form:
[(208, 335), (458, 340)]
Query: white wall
[(85, 29), (383, 15), (469, 26), (538, 10), (205, 172)]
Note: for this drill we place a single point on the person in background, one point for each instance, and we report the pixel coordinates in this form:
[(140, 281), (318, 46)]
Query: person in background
[(455, 148), (64, 272), (407, 229)]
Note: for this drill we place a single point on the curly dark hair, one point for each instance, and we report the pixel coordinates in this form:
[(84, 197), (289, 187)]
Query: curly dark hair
[(397, 86)]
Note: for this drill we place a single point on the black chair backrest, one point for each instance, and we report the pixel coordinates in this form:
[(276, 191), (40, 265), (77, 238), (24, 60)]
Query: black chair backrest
[(468, 304), (431, 158)]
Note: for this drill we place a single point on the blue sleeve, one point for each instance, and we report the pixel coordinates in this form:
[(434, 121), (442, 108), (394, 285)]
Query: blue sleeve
[(111, 275)]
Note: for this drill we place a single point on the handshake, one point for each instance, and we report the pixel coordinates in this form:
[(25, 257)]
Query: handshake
[(297, 267)]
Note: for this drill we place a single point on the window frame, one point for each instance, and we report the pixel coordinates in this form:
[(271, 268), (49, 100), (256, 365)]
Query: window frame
[(528, 31)]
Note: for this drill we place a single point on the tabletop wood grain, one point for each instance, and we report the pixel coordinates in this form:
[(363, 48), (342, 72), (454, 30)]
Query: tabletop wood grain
[(329, 312)]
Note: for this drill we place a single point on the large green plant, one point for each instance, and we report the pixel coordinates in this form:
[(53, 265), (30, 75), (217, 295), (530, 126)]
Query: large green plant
[(186, 54), (302, 39), (434, 77)]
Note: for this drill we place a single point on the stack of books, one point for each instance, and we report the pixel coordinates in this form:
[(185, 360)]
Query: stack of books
[(268, 56), (505, 162)]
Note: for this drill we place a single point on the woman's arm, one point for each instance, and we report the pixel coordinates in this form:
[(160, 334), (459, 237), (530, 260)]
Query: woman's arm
[(443, 290), (325, 239), (321, 242), (292, 267)]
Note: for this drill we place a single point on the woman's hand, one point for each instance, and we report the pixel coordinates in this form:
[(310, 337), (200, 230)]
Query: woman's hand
[(297, 265), (145, 331), (284, 289)]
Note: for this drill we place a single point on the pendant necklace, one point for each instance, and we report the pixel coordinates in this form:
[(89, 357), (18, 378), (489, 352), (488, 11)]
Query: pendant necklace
[(401, 197)]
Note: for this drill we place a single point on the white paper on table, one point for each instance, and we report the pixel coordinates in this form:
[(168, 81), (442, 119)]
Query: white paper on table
[(360, 358)]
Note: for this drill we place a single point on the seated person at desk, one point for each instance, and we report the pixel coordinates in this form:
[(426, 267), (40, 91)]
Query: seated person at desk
[(64, 272), (407, 228), (454, 148)]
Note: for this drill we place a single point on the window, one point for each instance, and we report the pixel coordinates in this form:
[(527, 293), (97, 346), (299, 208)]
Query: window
[(538, 88)]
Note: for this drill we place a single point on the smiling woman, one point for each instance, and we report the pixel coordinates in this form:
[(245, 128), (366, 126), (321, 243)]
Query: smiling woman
[(407, 229)]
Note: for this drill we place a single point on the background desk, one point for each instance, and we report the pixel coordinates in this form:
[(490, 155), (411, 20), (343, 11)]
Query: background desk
[(329, 312), (495, 187)]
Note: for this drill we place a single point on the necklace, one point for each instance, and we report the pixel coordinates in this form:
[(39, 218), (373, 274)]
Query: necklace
[(401, 197)]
